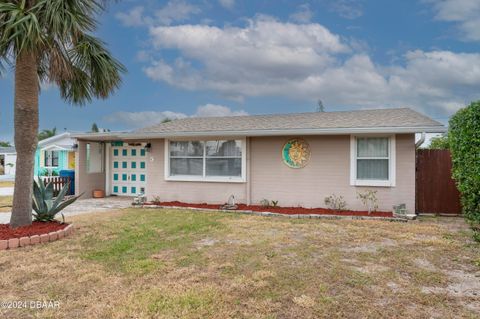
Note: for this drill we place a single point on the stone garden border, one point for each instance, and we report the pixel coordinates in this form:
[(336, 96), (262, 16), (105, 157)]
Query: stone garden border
[(13, 243), (270, 214)]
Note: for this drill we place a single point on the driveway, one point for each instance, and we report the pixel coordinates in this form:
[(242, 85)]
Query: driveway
[(85, 206), (6, 191)]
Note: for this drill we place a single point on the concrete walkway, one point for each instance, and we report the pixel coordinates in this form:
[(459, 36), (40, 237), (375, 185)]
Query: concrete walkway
[(85, 206), (6, 191)]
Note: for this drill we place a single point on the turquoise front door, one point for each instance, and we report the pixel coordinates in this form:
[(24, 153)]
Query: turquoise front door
[(128, 170)]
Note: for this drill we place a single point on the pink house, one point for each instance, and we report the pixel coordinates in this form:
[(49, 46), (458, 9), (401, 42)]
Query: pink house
[(297, 159)]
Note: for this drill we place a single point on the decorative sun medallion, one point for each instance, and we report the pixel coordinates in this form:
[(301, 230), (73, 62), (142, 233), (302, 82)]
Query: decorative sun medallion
[(296, 153)]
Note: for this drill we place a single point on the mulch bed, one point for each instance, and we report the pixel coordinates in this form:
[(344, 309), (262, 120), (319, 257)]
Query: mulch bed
[(281, 210), (37, 228)]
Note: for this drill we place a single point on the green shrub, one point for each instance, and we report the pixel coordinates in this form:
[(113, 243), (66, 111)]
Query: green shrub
[(45, 205), (439, 143), (464, 138)]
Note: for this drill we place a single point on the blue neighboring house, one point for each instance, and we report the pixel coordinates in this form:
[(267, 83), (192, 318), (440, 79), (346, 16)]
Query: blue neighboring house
[(54, 154)]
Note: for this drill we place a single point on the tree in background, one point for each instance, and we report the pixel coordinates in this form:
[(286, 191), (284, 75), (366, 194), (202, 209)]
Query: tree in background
[(5, 144), (94, 128), (464, 142), (320, 107), (51, 42), (44, 134), (439, 143)]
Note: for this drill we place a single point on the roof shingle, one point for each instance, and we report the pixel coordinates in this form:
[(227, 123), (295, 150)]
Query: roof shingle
[(399, 117)]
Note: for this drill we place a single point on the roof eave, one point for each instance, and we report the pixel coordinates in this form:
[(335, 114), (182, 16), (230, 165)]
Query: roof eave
[(277, 132)]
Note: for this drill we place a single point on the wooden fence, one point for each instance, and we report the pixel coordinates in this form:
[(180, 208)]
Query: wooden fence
[(58, 183), (436, 192)]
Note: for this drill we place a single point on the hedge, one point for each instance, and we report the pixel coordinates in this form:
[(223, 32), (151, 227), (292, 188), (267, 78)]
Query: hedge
[(464, 142)]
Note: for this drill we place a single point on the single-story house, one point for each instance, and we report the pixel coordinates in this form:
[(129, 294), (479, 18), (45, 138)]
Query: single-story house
[(297, 159), (8, 159), (54, 154)]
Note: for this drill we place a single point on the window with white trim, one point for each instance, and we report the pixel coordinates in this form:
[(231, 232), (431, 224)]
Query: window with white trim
[(51, 158), (209, 160), (373, 160)]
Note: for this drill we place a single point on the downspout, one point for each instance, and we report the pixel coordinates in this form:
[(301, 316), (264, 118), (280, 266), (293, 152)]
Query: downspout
[(420, 141), (249, 175)]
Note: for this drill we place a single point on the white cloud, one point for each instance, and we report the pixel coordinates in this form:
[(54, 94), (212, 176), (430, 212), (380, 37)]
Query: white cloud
[(215, 110), (146, 118), (228, 4), (134, 18), (303, 14), (173, 11), (308, 62), (464, 12), (348, 9), (176, 10), (141, 119)]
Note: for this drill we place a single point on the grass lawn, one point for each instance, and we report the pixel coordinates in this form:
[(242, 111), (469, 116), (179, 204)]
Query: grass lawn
[(181, 264), (7, 184), (5, 201)]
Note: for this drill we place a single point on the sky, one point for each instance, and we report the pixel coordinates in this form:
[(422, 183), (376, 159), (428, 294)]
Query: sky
[(231, 57)]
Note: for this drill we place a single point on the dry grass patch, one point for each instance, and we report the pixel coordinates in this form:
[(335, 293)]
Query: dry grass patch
[(7, 183), (183, 264), (6, 204)]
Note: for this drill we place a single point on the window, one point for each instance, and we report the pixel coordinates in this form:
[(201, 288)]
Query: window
[(372, 161), (94, 157), (210, 160), (51, 158)]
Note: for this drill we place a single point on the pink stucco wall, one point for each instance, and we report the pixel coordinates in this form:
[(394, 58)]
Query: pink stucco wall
[(328, 172), (193, 192)]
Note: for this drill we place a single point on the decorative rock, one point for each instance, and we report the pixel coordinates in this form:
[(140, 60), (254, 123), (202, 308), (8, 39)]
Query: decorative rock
[(13, 243), (44, 238), (24, 241), (53, 236), (3, 244), (35, 239)]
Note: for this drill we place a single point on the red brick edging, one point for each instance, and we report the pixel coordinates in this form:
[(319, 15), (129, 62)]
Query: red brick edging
[(13, 243)]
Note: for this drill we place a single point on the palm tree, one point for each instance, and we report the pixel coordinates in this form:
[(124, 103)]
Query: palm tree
[(50, 41), (44, 134)]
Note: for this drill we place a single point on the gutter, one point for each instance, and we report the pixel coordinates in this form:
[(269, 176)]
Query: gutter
[(420, 141), (275, 132)]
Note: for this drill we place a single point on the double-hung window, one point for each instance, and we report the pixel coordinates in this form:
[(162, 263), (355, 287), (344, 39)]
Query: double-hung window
[(51, 158), (205, 160), (372, 161)]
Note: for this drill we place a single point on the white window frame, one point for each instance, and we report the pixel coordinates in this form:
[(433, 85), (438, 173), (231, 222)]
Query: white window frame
[(391, 163), (204, 178), (45, 157)]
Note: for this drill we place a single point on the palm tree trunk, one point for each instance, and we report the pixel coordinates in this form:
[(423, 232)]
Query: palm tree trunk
[(26, 130)]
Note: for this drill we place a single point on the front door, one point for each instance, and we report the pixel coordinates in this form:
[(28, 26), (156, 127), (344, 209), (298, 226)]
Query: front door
[(128, 170)]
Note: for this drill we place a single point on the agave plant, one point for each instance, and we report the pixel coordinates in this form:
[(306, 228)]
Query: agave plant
[(45, 205)]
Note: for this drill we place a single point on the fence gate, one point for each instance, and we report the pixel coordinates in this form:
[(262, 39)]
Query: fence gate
[(436, 192)]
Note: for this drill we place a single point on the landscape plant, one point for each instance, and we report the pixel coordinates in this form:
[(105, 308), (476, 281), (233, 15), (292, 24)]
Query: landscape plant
[(464, 137), (369, 199), (45, 205), (336, 202), (265, 203), (50, 42)]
